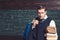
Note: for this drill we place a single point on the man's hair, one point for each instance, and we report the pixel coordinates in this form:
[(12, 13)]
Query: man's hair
[(42, 7)]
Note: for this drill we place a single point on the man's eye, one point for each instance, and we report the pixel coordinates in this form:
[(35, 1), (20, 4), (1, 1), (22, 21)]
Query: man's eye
[(40, 12)]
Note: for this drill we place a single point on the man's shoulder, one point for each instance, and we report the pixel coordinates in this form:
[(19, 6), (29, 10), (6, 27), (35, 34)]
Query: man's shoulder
[(51, 20)]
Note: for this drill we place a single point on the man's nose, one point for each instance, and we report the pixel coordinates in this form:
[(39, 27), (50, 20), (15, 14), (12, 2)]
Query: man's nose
[(40, 14)]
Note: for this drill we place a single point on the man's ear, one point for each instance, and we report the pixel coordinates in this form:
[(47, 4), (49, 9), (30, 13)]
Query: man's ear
[(46, 11)]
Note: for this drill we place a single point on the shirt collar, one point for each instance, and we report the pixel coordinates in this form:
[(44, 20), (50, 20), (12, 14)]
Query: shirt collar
[(45, 17)]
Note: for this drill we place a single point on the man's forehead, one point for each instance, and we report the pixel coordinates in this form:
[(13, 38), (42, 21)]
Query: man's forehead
[(41, 10)]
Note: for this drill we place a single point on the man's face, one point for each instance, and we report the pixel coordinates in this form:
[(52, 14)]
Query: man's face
[(41, 13)]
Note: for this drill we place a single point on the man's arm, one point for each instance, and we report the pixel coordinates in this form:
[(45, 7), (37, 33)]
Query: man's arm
[(35, 22), (52, 27), (52, 31)]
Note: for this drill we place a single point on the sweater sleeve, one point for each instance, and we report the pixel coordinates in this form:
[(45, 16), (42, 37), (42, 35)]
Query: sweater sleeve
[(52, 24)]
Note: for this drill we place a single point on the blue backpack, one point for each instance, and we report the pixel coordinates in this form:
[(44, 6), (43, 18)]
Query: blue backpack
[(27, 30)]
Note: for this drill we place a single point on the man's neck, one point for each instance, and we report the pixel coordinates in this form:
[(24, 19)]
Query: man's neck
[(45, 17)]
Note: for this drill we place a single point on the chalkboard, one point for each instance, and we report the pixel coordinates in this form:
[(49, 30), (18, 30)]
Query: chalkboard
[(13, 22)]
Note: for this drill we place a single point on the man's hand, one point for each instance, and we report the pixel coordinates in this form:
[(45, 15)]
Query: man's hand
[(35, 22), (51, 29)]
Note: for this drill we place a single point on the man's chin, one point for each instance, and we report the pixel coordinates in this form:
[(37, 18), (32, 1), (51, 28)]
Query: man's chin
[(41, 18)]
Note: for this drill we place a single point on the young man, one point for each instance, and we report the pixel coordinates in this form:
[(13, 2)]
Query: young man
[(42, 26)]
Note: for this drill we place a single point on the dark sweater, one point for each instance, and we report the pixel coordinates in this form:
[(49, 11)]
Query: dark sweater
[(39, 31)]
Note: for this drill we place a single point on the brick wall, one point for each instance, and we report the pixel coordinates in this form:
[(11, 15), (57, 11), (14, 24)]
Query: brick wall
[(13, 22)]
